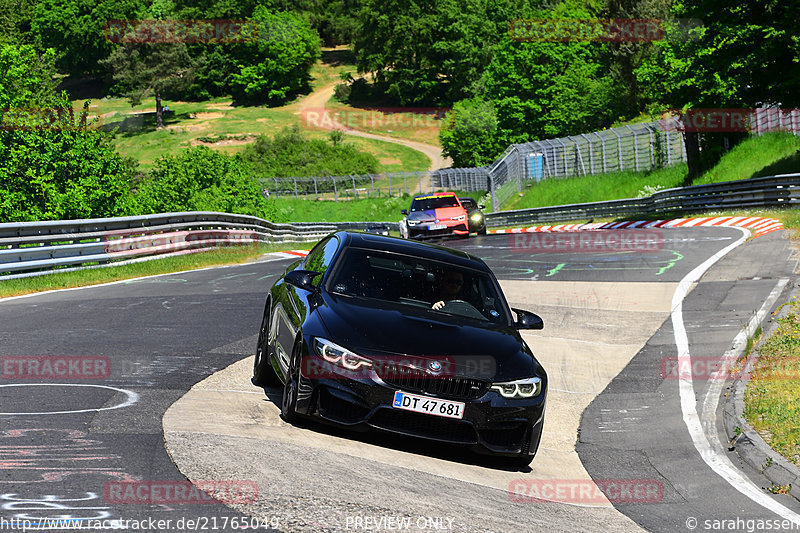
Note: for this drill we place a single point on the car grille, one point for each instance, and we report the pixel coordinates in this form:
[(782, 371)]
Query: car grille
[(415, 380), (427, 426)]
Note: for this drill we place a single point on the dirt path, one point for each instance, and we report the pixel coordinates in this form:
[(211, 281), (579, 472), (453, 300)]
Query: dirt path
[(317, 100)]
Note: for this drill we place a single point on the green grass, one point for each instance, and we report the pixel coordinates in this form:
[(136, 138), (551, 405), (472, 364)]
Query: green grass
[(769, 154), (370, 209), (79, 278), (772, 401)]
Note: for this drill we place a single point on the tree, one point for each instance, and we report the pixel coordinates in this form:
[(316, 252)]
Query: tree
[(15, 21), (77, 30), (469, 133), (277, 62), (430, 51), (144, 69), (744, 55)]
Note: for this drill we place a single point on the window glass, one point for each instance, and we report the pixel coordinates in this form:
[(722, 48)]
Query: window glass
[(427, 203), (418, 283), (319, 259)]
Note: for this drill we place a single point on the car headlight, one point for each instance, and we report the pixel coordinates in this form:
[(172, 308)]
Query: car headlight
[(521, 388), (413, 222), (333, 353), (459, 218), (476, 217)]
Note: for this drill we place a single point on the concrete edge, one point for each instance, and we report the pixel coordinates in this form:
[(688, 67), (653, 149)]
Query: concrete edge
[(745, 440)]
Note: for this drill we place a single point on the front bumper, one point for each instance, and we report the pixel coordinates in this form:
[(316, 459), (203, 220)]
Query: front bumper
[(491, 424), (422, 231)]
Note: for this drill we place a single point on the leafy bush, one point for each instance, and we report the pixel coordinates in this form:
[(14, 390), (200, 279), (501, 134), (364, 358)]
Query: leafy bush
[(64, 170), (290, 154), (200, 179)]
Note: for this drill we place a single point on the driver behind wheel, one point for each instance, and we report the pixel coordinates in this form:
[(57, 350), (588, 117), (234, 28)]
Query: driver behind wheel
[(449, 288)]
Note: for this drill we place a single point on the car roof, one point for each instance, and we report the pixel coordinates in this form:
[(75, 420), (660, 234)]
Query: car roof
[(370, 241)]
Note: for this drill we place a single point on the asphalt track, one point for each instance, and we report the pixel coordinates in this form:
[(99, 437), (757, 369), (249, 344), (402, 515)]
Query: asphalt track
[(606, 314)]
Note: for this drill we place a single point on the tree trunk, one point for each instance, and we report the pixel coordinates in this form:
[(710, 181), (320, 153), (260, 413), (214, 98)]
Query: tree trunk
[(691, 140), (159, 111)]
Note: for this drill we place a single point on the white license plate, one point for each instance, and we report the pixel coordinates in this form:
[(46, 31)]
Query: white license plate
[(427, 405), (437, 226)]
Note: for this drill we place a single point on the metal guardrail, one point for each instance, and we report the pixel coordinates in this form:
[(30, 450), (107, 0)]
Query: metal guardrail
[(771, 191), (36, 248)]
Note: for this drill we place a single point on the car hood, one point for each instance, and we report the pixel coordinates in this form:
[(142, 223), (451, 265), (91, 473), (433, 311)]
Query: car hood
[(373, 328), (429, 215)]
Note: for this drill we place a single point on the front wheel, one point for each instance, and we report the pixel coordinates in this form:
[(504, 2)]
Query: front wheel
[(482, 231), (290, 387)]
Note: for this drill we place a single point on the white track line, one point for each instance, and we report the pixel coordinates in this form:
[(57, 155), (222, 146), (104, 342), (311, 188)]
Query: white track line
[(714, 458)]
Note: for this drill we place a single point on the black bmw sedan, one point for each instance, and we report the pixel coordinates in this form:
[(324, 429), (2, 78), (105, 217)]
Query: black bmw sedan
[(378, 332)]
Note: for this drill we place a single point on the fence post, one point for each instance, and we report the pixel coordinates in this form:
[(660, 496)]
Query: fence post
[(492, 191), (669, 149), (591, 153), (405, 182), (372, 179), (335, 194), (316, 194), (652, 147), (355, 192), (295, 187), (635, 148), (603, 150), (276, 187), (619, 149)]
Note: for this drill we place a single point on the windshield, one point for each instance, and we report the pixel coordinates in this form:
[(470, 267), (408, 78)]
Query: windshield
[(427, 203), (419, 283)]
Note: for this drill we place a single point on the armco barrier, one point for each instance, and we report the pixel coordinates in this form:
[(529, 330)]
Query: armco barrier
[(35, 248), (772, 191)]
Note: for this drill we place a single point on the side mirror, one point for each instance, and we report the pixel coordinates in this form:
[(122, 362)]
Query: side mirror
[(303, 279), (404, 212), (528, 320), (481, 206)]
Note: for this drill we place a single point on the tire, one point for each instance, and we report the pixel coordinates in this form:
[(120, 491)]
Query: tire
[(263, 373), (482, 231), (290, 387)]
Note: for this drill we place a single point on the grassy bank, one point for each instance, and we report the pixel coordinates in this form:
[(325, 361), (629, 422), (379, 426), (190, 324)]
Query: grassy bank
[(772, 398), (773, 153), (79, 278)]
